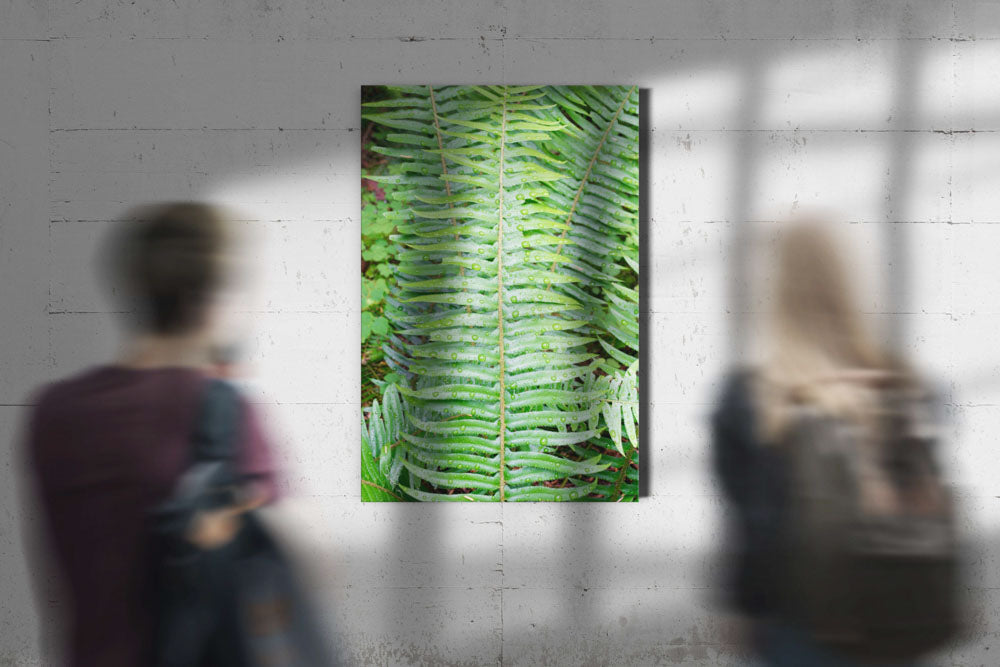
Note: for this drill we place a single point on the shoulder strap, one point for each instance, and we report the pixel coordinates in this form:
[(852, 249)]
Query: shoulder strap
[(216, 432), (211, 474)]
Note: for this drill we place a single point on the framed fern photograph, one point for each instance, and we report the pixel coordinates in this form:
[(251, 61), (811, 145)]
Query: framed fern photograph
[(500, 293)]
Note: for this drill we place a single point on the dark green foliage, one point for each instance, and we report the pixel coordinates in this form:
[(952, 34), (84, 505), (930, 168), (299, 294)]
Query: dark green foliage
[(378, 258)]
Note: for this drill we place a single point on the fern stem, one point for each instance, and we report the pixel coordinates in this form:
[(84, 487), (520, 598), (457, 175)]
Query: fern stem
[(444, 171), (622, 472), (590, 167), (444, 167), (381, 488), (500, 297)]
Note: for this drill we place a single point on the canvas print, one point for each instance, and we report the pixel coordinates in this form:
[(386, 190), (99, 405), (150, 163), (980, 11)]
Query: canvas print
[(500, 293)]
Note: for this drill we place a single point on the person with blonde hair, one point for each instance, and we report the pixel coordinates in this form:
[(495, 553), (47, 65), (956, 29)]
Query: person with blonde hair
[(820, 349), (814, 413)]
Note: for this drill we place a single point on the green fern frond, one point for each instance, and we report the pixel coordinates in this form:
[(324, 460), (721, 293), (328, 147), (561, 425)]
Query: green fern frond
[(378, 435), (601, 196)]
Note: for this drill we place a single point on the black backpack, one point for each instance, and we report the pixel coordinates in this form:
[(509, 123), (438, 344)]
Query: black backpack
[(238, 605), (871, 550)]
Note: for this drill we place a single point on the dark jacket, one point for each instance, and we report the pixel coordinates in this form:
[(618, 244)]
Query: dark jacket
[(754, 481)]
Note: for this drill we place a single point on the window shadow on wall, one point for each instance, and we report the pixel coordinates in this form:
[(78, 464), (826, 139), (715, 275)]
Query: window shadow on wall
[(604, 568)]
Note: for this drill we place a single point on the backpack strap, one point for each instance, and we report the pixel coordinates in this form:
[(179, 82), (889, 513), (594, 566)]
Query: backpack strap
[(216, 431), (211, 478)]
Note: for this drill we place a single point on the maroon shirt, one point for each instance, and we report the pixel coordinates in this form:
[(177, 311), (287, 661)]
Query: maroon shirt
[(104, 448)]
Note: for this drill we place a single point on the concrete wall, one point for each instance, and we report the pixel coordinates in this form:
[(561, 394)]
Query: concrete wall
[(886, 111)]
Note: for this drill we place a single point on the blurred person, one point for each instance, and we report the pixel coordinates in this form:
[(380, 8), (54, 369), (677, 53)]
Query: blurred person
[(108, 445), (844, 548)]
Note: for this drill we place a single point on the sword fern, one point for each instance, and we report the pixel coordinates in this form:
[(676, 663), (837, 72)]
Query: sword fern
[(514, 318)]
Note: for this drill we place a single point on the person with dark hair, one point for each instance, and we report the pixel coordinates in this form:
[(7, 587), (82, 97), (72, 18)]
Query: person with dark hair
[(107, 446), (173, 264)]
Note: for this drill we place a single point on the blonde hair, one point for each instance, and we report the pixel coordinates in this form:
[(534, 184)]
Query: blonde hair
[(820, 343)]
